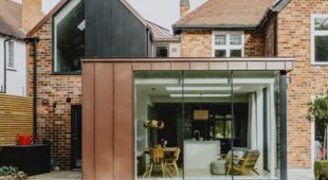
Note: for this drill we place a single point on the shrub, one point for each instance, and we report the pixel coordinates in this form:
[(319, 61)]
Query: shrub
[(321, 169), (8, 170)]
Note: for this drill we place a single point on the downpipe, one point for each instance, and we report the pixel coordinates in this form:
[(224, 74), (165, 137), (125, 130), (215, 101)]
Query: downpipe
[(4, 87)]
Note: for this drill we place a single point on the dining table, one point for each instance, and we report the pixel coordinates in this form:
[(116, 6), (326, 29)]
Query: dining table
[(168, 153), (167, 150)]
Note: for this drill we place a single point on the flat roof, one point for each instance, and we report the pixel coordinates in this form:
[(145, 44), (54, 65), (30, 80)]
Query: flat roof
[(185, 63)]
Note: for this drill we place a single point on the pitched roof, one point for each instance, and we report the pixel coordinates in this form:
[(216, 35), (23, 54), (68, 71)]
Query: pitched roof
[(10, 19), (226, 14), (62, 3), (47, 17), (160, 33)]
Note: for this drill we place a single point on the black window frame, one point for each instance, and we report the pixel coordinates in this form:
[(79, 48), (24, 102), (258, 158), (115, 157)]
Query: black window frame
[(53, 43)]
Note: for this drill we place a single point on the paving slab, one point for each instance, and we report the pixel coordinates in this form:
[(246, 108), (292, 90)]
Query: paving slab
[(300, 174), (293, 174), (58, 175)]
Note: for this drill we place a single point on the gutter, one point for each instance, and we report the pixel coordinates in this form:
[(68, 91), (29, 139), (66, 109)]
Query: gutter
[(34, 41), (227, 27), (4, 90), (278, 6)]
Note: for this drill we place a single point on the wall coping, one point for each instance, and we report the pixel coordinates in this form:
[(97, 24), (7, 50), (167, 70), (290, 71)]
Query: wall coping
[(246, 64)]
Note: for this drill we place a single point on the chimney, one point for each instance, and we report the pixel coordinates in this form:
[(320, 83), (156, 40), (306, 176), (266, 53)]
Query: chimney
[(31, 13), (184, 8)]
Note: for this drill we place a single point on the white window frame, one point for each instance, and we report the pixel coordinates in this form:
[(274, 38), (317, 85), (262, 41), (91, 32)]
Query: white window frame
[(11, 55), (315, 33), (228, 47), (57, 18)]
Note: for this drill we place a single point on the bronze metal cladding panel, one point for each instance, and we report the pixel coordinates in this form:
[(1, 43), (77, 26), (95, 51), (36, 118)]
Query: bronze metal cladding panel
[(180, 66), (88, 122), (161, 66), (142, 66), (199, 66), (104, 151), (123, 123)]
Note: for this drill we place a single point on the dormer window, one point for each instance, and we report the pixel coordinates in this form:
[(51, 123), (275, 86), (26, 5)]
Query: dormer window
[(228, 44), (69, 45)]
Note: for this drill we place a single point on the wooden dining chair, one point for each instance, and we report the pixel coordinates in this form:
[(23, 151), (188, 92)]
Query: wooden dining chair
[(171, 163), (156, 160)]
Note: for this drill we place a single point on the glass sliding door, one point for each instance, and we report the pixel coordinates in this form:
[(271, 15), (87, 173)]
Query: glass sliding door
[(206, 125), (158, 127)]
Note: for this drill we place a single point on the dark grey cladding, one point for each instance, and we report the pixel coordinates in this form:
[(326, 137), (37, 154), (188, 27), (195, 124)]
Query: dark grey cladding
[(112, 30)]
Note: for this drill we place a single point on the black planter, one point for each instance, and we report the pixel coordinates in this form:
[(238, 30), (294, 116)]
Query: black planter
[(32, 159)]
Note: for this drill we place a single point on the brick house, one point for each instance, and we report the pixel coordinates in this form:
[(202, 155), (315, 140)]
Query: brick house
[(264, 37), (59, 74), (285, 28)]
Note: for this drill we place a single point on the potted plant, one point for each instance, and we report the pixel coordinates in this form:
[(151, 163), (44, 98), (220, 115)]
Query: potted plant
[(11, 173), (24, 139), (55, 165), (318, 112)]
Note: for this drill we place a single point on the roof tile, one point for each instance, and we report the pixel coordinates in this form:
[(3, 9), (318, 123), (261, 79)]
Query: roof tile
[(226, 13), (10, 19)]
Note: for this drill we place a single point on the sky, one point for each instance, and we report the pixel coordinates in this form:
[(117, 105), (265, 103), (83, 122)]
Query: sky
[(162, 12)]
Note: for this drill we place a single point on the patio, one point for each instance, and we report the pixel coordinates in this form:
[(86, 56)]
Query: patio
[(294, 174), (60, 175)]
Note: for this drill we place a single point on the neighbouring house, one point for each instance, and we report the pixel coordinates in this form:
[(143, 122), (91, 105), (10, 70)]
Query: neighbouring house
[(15, 21), (164, 43), (17, 112), (67, 33)]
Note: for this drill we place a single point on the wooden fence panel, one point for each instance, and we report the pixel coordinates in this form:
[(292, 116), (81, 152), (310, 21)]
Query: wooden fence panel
[(16, 117)]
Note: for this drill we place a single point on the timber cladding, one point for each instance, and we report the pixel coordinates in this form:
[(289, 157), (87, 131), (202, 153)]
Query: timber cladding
[(16, 117)]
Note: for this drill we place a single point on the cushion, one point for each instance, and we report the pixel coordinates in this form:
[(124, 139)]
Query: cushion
[(218, 167), (237, 152)]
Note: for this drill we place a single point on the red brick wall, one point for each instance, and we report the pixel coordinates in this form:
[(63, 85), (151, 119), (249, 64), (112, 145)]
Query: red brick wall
[(269, 37), (54, 117), (198, 43), (254, 43), (306, 80)]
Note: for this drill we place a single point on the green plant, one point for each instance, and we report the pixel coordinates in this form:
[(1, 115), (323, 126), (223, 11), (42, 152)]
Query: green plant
[(54, 163), (321, 169), (318, 109), (8, 170)]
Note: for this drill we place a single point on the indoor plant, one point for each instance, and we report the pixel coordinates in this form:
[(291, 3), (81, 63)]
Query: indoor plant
[(318, 112)]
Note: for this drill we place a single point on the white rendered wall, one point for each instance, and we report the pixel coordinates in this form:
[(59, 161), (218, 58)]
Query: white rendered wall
[(16, 77), (173, 47)]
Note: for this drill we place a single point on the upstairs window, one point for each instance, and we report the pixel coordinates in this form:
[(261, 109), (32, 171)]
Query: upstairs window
[(69, 30), (228, 44), (162, 52), (11, 55), (319, 38)]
